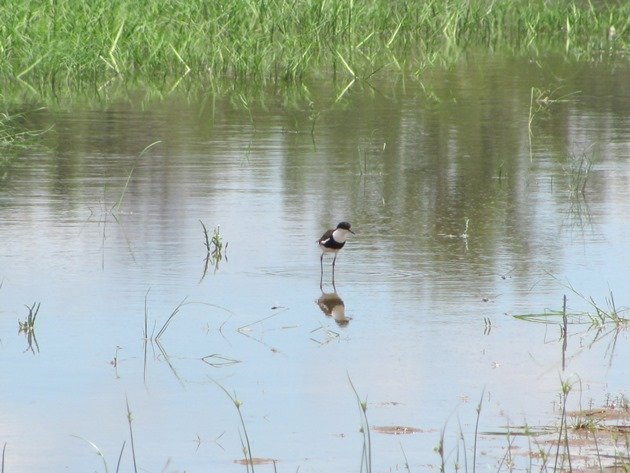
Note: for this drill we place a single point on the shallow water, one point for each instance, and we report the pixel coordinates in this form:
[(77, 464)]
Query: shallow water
[(430, 302)]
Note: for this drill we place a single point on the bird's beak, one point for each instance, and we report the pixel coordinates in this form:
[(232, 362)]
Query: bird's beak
[(351, 231)]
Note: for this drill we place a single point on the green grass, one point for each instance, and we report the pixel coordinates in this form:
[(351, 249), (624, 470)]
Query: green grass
[(214, 249), (366, 453), (600, 315), (86, 47), (245, 443), (15, 137), (27, 327)]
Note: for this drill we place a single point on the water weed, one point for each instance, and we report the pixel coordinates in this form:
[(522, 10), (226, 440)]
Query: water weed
[(174, 312), (578, 169), (214, 249), (100, 453), (15, 137), (118, 204), (133, 448), (602, 315), (155, 339), (97, 450), (88, 47), (245, 444), (27, 327), (366, 456)]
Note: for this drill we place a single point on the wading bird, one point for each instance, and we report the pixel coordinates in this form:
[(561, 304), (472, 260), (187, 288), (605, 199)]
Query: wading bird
[(331, 242)]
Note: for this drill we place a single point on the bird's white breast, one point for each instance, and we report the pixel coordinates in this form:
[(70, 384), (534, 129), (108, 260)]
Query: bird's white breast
[(340, 235)]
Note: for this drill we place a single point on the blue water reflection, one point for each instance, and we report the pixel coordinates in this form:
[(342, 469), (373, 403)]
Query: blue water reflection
[(421, 315)]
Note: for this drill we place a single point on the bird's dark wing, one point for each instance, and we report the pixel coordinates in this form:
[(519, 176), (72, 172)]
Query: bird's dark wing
[(328, 241), (325, 237)]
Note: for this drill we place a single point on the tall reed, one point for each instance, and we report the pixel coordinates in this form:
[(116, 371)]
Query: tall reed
[(85, 46), (245, 444), (366, 457)]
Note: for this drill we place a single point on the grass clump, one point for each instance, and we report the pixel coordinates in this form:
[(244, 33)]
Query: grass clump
[(65, 45), (600, 315), (13, 134), (215, 248), (15, 137), (27, 327)]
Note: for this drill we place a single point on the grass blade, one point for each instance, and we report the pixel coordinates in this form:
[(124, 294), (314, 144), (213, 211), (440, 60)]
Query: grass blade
[(170, 318), (133, 449)]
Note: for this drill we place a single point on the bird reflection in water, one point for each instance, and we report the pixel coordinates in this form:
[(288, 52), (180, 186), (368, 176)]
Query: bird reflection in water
[(332, 306)]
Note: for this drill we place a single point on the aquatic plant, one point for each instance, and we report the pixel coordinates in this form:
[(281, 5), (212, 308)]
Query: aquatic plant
[(97, 450), (549, 446), (440, 450), (566, 389), (366, 456), (133, 449), (578, 170), (27, 327), (598, 318), (118, 204), (245, 444), (155, 339), (214, 248), (86, 48), (13, 133), (165, 325), (478, 410), (15, 136)]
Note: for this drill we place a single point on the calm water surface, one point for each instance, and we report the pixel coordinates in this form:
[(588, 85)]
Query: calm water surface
[(430, 302)]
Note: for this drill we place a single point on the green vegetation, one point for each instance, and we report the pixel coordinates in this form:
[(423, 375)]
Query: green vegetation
[(28, 327), (12, 133), (88, 46), (133, 449), (578, 169), (118, 204), (366, 453), (245, 444), (14, 137), (156, 338), (214, 249), (585, 440), (599, 317)]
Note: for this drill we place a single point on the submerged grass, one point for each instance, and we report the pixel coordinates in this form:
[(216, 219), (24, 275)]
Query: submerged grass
[(133, 447), (119, 202), (604, 322), (601, 315), (63, 45), (214, 249), (15, 137), (561, 447), (122, 449), (27, 327), (245, 444), (366, 455), (13, 134)]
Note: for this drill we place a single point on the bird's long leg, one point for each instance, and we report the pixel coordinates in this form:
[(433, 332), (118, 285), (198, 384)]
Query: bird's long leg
[(333, 269), (321, 274)]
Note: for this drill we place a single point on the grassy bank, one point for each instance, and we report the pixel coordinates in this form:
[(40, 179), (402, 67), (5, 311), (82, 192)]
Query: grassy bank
[(68, 44)]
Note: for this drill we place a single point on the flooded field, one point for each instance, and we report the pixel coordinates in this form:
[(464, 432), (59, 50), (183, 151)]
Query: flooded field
[(480, 196)]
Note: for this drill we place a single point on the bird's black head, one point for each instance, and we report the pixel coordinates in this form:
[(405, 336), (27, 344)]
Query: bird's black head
[(344, 226)]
